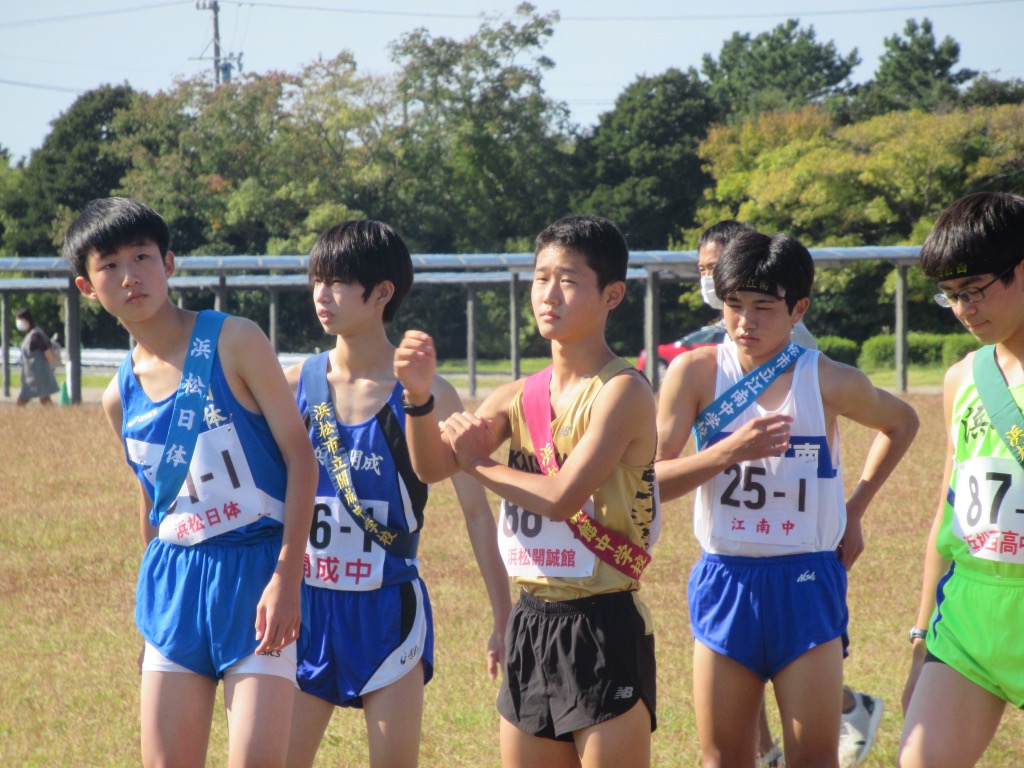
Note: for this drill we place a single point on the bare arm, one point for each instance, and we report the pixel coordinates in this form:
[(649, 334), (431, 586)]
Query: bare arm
[(111, 401), (292, 374), (689, 387), (245, 351), (483, 536), (432, 457), (621, 430), (935, 565), (848, 392)]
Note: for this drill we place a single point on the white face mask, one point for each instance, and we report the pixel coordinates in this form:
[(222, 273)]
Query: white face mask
[(21, 325), (707, 292)]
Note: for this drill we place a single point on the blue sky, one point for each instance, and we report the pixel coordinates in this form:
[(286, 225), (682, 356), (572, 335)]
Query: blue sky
[(51, 51)]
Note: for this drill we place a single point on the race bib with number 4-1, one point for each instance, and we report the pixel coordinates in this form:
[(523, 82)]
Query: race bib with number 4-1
[(219, 493)]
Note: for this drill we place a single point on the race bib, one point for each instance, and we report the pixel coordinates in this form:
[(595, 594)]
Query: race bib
[(771, 503), (219, 493), (532, 545), (339, 554), (988, 513)]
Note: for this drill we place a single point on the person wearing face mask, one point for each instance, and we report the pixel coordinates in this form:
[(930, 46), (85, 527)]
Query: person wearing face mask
[(37, 362), (712, 242)]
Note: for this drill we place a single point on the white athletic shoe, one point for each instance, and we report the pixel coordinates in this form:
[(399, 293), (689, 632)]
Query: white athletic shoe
[(857, 729), (772, 759)]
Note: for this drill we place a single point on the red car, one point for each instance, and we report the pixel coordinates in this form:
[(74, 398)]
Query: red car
[(707, 336)]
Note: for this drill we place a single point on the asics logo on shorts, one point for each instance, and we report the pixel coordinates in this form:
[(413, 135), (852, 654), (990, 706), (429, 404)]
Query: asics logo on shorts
[(410, 654), (806, 576), (624, 692)]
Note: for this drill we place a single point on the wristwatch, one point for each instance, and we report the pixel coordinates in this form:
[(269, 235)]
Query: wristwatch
[(918, 634)]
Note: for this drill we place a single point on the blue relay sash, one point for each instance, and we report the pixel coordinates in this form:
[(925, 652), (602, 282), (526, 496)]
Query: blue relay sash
[(1002, 409), (186, 417), (742, 395), (327, 438)]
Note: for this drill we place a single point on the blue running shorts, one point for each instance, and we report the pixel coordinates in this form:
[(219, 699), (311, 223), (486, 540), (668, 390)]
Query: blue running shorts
[(765, 612)]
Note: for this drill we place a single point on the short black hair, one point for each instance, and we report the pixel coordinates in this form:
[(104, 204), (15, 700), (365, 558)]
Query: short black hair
[(778, 265), (979, 234), (25, 314), (109, 223), (365, 252), (723, 232), (596, 238)]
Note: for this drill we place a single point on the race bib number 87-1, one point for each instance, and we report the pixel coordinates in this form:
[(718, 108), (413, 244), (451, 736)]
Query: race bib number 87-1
[(988, 513)]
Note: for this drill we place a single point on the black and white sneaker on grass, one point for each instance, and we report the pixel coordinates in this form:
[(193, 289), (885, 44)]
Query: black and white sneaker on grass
[(857, 729)]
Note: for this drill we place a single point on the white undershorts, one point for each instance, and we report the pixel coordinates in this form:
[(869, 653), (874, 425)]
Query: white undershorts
[(277, 663)]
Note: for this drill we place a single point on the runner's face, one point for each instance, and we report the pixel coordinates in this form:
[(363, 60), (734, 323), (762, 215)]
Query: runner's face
[(131, 282), (566, 300), (995, 317), (342, 308), (707, 257), (760, 324)]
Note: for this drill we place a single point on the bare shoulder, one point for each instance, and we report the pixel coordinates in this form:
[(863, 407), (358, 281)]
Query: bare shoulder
[(627, 400), (243, 345), (691, 378), (695, 366), (837, 379), (292, 374), (112, 408), (848, 392), (496, 404), (628, 385), (957, 374), (241, 330)]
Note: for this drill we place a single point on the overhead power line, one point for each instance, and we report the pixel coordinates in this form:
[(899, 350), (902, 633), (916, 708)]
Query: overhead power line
[(39, 86), (659, 18), (88, 15), (476, 16)]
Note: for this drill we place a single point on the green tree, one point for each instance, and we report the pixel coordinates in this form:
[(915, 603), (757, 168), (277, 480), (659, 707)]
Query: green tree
[(73, 165), (10, 178), (916, 71), (481, 148), (879, 182), (781, 69), (640, 166), (986, 91), (261, 164)]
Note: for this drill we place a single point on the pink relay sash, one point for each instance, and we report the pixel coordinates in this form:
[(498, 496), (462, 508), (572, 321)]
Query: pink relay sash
[(611, 547)]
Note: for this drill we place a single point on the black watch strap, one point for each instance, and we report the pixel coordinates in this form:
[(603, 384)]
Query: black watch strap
[(418, 410)]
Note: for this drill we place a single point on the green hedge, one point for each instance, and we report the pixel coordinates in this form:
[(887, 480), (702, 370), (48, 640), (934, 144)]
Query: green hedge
[(926, 349), (957, 346), (839, 349)]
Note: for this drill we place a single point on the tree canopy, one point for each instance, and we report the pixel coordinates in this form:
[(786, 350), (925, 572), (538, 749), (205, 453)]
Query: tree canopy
[(462, 150), (916, 71), (781, 69), (640, 164)]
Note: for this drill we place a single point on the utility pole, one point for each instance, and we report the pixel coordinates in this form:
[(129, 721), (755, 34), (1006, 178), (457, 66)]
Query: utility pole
[(221, 69)]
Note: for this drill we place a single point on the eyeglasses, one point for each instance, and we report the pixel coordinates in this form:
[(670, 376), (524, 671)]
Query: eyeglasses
[(971, 295)]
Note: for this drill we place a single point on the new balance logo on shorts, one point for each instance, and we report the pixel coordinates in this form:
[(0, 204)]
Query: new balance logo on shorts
[(624, 692), (806, 576)]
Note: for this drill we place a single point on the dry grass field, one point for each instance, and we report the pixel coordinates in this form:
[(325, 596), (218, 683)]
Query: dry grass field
[(69, 549)]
